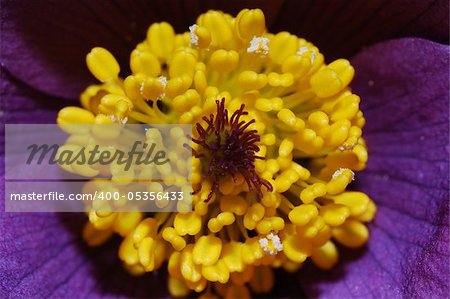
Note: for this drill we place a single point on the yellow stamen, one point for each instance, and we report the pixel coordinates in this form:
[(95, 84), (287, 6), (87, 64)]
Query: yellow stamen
[(308, 127)]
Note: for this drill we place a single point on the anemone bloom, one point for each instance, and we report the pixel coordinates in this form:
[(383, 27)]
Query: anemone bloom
[(404, 88)]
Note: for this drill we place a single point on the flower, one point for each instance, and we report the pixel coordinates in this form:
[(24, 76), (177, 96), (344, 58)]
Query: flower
[(374, 72), (277, 135)]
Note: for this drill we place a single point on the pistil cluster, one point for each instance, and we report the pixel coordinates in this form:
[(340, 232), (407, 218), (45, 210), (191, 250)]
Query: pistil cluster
[(277, 141)]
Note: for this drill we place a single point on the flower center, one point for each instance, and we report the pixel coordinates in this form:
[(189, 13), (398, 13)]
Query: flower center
[(229, 148), (277, 139)]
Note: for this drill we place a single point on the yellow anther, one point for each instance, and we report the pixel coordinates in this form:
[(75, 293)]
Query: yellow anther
[(312, 229), (198, 286), (254, 214), (352, 233), (288, 117), (233, 203), (189, 270), (186, 101), (285, 148), (177, 287), (148, 227), (174, 264), (152, 88), (217, 272), (115, 105), (282, 45), (325, 256), (269, 224), (146, 251), (219, 28), (336, 134), (334, 214), (224, 218), (178, 85), (283, 80), (249, 23), (326, 83), (308, 141), (102, 222), (332, 79), (223, 60), (127, 252), (126, 222), (200, 81), (369, 213), (145, 63), (199, 36), (341, 178), (303, 214), (251, 251), (266, 105), (232, 256), (102, 64), (357, 202), (188, 223), (170, 235), (296, 249), (318, 120), (312, 192), (270, 200), (344, 69), (161, 39), (282, 183), (183, 63), (301, 171), (296, 65), (346, 108), (74, 115), (250, 80), (207, 250), (322, 236)]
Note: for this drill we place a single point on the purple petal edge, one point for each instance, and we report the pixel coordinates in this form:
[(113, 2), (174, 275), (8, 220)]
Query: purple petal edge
[(404, 89)]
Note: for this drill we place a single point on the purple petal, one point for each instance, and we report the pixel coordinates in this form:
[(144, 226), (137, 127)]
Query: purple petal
[(42, 254), (48, 51), (405, 91), (342, 28)]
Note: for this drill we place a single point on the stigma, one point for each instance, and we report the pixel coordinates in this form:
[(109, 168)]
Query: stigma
[(229, 148)]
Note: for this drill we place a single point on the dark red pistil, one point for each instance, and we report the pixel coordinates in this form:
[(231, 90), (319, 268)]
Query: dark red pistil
[(228, 148)]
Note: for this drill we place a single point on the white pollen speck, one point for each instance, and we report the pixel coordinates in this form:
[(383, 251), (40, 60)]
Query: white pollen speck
[(259, 45), (302, 50), (141, 88), (313, 56), (346, 147), (118, 120), (193, 36), (271, 244), (338, 172), (371, 83), (163, 80)]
